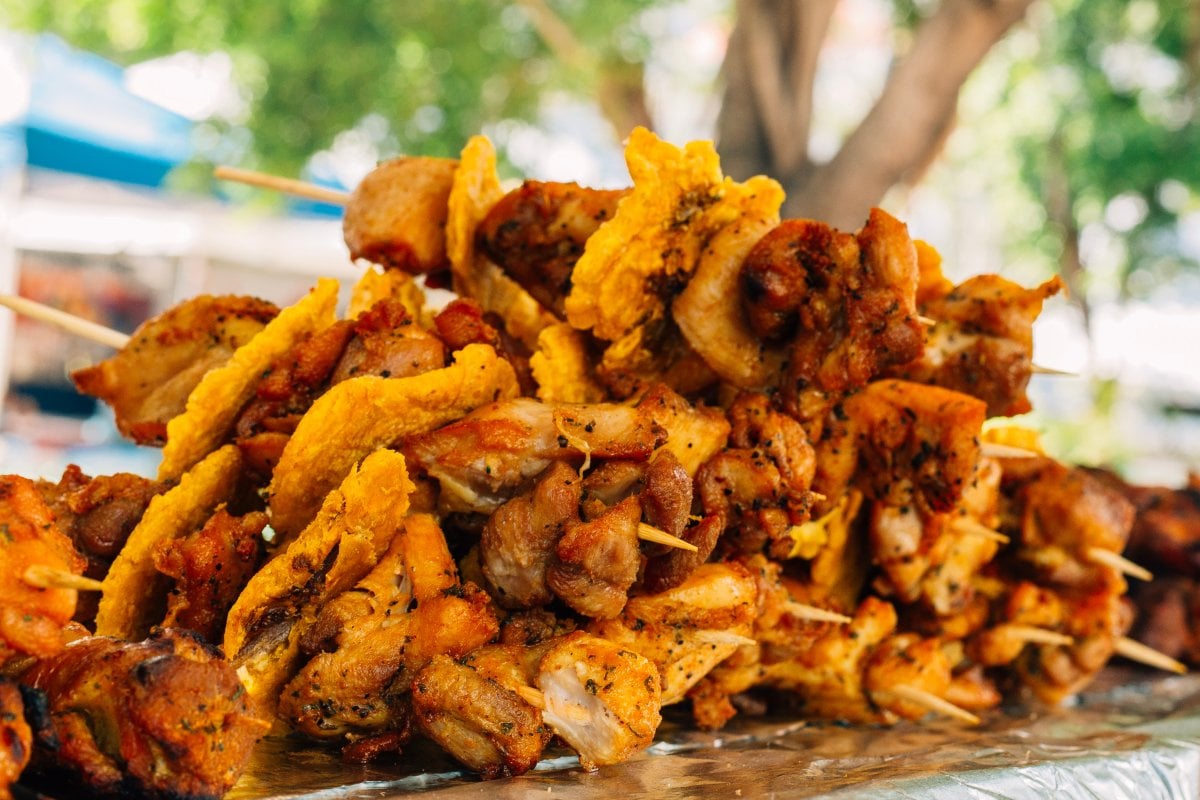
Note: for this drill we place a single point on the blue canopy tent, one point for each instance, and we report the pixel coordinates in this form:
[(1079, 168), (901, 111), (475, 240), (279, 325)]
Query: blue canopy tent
[(81, 119)]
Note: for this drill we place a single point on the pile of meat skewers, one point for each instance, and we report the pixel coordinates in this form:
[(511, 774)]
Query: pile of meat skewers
[(664, 449)]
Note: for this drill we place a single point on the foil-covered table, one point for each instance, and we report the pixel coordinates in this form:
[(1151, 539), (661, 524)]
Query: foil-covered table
[(1130, 736)]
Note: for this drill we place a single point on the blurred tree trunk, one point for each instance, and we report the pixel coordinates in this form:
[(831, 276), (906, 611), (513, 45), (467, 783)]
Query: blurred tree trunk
[(765, 118)]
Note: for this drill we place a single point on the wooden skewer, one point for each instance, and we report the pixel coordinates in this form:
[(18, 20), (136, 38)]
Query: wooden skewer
[(996, 450), (68, 322), (936, 704), (1098, 555), (532, 696), (805, 611), (1038, 369), (1029, 633), (724, 637), (649, 533), (975, 528), (42, 576), (928, 322), (536, 699), (1136, 651), (285, 185)]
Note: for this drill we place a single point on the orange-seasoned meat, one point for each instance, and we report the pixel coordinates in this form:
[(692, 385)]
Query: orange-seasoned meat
[(31, 619), (165, 717), (903, 442), (537, 232), (148, 382), (982, 342), (1060, 513), (210, 566), (463, 322)]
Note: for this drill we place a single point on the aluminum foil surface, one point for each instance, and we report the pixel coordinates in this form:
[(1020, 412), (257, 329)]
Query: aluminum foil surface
[(1130, 736)]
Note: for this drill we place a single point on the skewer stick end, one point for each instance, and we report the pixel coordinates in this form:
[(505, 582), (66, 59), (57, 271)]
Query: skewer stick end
[(933, 703), (649, 533), (43, 576)]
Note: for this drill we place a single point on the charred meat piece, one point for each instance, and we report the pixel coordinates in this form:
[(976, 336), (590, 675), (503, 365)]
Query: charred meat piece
[(210, 566), (98, 514), (537, 232), (463, 322), (846, 303), (982, 343), (148, 382), (387, 342), (165, 717)]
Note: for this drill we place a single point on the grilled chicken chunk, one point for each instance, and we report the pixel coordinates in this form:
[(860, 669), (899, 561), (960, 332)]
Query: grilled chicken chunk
[(536, 233), (471, 708), (604, 701), (361, 685), (148, 382), (396, 216), (982, 342)]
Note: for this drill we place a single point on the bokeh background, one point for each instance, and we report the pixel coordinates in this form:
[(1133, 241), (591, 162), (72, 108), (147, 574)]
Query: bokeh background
[(1024, 137)]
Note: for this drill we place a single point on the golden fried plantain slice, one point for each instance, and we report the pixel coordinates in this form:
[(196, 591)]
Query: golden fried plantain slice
[(376, 285), (134, 592), (353, 528), (561, 367), (214, 404), (148, 382), (363, 414), (636, 262), (476, 189)]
